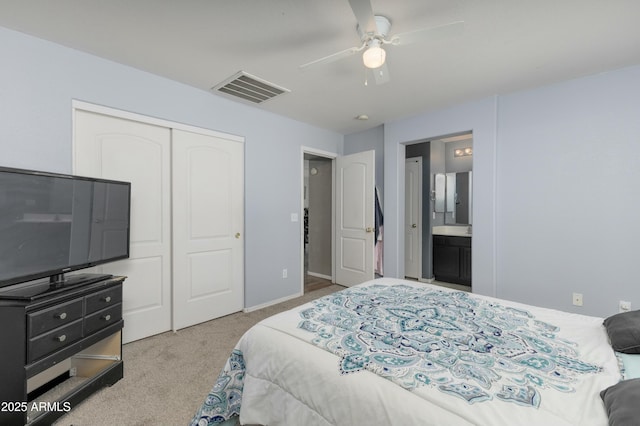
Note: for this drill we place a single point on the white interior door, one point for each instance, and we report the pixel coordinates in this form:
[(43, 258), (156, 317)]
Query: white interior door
[(208, 234), (413, 218), (120, 149), (355, 197)]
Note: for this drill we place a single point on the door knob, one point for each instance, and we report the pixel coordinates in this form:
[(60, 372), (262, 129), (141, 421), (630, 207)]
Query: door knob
[(414, 226), (237, 235), (369, 229)]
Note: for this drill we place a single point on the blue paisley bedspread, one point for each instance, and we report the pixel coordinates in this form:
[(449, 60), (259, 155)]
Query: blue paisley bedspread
[(458, 344), (475, 349), (223, 402)]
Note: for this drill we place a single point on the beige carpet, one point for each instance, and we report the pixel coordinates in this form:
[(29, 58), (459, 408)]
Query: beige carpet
[(166, 377)]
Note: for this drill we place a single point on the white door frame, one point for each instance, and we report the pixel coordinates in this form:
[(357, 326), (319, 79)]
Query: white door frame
[(99, 109), (327, 154)]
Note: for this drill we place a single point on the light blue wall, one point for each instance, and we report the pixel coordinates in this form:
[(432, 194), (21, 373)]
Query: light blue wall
[(556, 191), (39, 80), (568, 184)]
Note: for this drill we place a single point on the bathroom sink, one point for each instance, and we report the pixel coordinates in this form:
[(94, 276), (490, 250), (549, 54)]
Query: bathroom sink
[(452, 230)]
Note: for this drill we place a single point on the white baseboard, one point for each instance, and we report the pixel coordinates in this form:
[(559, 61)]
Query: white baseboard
[(273, 302), (315, 274)]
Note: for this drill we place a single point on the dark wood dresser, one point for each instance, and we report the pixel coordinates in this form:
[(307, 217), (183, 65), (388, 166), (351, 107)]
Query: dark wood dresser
[(59, 345)]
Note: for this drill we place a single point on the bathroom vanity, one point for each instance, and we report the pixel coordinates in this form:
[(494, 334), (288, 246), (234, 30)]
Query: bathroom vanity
[(452, 254)]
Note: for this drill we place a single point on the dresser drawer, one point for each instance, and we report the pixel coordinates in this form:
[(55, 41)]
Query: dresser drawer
[(103, 299), (47, 319), (103, 318), (54, 340)]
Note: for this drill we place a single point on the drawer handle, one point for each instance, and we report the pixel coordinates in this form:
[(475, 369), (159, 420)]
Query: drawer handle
[(106, 317), (63, 315), (61, 338), (107, 299)]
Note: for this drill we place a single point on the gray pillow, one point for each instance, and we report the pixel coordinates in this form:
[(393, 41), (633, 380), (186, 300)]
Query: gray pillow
[(624, 332), (621, 402)]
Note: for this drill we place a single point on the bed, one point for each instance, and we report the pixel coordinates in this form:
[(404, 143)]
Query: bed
[(396, 352)]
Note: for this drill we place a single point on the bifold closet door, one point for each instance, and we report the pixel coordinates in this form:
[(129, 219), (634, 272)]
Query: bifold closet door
[(208, 232), (121, 149)]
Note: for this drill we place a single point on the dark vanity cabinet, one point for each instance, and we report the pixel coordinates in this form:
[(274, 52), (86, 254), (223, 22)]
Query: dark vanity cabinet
[(452, 259)]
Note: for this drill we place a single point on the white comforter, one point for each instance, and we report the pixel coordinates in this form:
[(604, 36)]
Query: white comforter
[(307, 373)]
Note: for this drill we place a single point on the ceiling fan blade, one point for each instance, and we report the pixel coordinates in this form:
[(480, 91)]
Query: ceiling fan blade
[(364, 15), (332, 58), (440, 32), (381, 74)]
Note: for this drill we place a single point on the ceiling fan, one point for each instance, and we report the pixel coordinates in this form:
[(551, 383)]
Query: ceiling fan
[(374, 34)]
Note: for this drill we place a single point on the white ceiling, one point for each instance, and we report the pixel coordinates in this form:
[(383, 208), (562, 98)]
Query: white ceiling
[(507, 45)]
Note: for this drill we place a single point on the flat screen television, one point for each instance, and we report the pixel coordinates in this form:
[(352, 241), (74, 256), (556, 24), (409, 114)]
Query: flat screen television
[(52, 224)]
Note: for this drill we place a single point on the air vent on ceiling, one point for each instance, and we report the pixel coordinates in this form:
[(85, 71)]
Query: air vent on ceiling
[(249, 88)]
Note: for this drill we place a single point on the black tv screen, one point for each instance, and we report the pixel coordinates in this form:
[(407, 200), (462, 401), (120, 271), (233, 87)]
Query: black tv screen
[(51, 223)]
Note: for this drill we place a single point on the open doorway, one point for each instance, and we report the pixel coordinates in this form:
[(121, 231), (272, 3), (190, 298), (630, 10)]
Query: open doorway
[(318, 221), (438, 215)]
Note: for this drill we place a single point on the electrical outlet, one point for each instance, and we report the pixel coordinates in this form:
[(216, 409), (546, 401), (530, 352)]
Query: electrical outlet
[(284, 273), (577, 299), (624, 306)]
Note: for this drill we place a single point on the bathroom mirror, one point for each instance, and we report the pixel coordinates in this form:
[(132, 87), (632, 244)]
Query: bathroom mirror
[(459, 202), (453, 196), (452, 164), (439, 193)]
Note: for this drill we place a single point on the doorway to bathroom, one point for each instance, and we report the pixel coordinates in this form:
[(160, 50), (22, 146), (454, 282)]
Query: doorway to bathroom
[(439, 210)]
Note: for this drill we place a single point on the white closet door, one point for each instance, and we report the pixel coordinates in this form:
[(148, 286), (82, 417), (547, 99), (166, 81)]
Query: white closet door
[(208, 234), (121, 149), (355, 222)]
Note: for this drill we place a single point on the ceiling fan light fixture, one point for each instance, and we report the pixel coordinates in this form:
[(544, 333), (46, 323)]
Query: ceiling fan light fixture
[(374, 56)]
